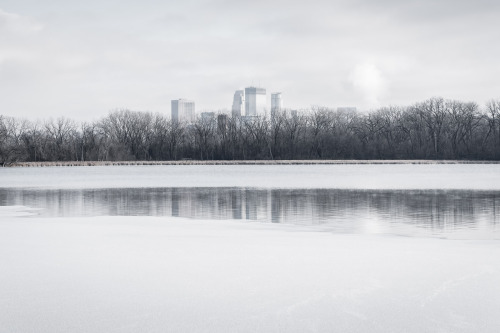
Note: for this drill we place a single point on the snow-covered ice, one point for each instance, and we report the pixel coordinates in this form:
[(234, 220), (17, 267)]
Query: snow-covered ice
[(362, 176), (152, 274)]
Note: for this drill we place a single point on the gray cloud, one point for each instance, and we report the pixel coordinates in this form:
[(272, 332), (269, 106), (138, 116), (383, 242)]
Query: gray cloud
[(83, 59)]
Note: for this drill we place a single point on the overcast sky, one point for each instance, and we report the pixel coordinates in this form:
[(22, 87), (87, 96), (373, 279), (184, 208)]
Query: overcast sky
[(81, 59)]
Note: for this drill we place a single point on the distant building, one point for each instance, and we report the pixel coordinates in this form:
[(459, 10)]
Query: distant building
[(207, 115), (255, 101), (276, 104), (238, 103), (294, 113), (183, 111)]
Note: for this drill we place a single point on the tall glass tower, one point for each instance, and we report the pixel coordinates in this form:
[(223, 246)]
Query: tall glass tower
[(238, 108), (276, 103), (255, 101)]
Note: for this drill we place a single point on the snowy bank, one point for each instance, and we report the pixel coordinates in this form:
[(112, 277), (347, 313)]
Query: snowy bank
[(356, 176), (11, 211), (241, 162), (130, 274)]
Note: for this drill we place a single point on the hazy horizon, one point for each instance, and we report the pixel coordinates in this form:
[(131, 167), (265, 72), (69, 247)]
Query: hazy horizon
[(81, 60)]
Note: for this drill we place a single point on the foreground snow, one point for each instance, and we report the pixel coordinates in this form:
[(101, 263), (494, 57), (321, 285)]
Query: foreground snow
[(146, 274)]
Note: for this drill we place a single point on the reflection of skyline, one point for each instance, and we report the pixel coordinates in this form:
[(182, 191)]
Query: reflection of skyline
[(351, 210)]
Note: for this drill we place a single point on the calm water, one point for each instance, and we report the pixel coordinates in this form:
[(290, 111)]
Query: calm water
[(436, 213)]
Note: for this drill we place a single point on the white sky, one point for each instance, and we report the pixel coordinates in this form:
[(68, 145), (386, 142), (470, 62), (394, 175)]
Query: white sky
[(81, 59)]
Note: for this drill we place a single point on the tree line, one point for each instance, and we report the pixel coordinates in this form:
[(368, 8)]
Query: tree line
[(432, 129)]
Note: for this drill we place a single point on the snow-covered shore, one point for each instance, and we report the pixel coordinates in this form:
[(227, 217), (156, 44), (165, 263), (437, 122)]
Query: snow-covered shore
[(242, 162), (341, 176), (149, 274)]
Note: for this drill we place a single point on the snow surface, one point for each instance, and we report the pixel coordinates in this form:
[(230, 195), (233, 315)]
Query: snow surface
[(10, 211), (363, 176), (151, 274)]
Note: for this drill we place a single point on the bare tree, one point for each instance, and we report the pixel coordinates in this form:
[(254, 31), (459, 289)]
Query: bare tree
[(294, 125), (433, 113), (435, 128), (205, 131), (11, 131), (319, 122), (493, 109), (59, 139)]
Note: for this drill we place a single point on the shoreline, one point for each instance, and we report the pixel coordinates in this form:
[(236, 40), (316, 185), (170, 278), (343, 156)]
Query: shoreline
[(238, 162)]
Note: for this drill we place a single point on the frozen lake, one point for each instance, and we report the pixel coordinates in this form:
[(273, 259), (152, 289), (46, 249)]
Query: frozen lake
[(301, 248), (415, 213), (452, 201)]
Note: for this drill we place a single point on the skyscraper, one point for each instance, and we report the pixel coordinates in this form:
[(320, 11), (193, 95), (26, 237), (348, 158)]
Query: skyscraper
[(183, 111), (255, 101), (276, 103), (238, 103)]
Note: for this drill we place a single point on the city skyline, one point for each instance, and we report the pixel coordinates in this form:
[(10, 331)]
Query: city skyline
[(256, 105), (248, 102), (81, 60)]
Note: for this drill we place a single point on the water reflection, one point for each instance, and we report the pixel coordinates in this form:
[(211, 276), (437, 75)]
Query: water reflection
[(401, 212)]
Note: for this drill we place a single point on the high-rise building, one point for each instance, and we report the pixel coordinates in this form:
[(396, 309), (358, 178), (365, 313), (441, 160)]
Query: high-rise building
[(183, 111), (238, 103), (255, 101), (276, 103), (207, 116)]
